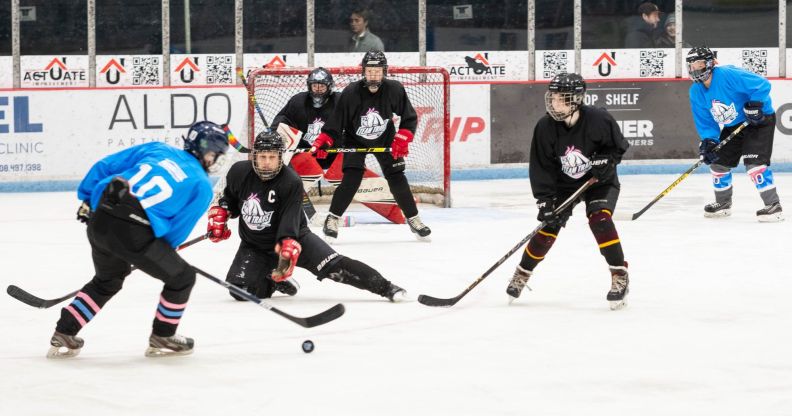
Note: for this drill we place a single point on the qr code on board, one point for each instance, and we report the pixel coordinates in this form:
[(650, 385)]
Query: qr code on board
[(146, 71), (553, 63), (220, 69), (652, 63), (755, 60)]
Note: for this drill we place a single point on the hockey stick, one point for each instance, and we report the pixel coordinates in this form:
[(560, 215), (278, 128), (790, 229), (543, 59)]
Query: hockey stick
[(27, 298), (687, 173), (347, 150), (433, 301), (308, 207), (308, 322)]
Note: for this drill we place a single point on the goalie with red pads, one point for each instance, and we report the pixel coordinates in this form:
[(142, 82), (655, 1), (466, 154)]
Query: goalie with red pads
[(364, 118), (266, 197)]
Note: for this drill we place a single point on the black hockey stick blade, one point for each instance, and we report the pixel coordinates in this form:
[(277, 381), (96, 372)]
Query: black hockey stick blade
[(433, 301), (25, 297), (308, 322)]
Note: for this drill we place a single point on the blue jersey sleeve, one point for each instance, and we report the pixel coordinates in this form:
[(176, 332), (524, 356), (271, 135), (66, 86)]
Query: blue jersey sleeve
[(757, 88), (106, 168), (706, 126)]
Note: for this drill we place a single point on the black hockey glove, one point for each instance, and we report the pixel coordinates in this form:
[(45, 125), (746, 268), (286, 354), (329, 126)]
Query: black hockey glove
[(603, 167), (753, 113), (84, 212), (706, 151), (546, 208)]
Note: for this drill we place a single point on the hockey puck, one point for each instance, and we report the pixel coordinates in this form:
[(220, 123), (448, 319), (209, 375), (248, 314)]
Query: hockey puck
[(307, 346)]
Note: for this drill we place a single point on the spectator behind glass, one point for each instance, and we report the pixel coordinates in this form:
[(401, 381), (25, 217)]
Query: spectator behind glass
[(667, 37), (362, 40), (641, 28)]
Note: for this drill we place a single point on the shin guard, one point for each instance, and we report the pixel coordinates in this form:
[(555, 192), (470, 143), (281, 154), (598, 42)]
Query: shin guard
[(538, 246), (604, 231)]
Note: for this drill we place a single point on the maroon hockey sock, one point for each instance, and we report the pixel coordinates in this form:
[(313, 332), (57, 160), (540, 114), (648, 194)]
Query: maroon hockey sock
[(604, 231)]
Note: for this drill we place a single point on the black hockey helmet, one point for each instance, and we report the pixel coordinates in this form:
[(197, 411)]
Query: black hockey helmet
[(571, 88), (374, 58), (268, 141), (206, 141), (700, 53), (324, 77)]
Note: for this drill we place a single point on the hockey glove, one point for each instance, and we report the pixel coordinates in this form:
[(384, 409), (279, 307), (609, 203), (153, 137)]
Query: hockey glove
[(603, 167), (546, 214), (706, 152), (217, 227), (84, 212), (753, 112), (322, 142), (288, 252), (401, 143)]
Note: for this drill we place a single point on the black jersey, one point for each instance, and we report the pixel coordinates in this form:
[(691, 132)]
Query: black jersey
[(560, 156), (269, 211), (367, 119), (300, 113)]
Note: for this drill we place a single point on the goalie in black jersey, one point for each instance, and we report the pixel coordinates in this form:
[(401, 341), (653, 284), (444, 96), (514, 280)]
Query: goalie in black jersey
[(309, 110), (365, 115), (275, 236), (572, 143)]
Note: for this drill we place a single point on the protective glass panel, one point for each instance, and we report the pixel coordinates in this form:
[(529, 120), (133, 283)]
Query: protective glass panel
[(554, 24), (343, 26), (635, 24), (202, 26), (472, 25), (128, 27), (53, 27), (732, 24), (274, 26)]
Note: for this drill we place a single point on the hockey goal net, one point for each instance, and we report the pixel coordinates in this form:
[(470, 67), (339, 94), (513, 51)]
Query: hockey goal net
[(428, 164)]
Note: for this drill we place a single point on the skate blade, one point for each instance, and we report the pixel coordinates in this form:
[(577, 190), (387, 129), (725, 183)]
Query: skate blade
[(427, 239), (59, 353), (401, 297), (720, 214), (329, 240), (777, 217), (616, 305), (153, 352)]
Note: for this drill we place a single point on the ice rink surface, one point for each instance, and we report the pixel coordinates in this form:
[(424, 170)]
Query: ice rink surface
[(708, 329)]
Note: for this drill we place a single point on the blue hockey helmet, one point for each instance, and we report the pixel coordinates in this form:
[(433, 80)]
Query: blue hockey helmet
[(206, 141)]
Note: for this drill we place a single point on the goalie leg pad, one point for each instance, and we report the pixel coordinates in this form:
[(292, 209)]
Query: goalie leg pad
[(538, 247), (604, 230)]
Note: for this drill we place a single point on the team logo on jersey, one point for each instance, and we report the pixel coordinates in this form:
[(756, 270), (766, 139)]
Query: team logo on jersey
[(313, 130), (372, 125), (253, 215), (722, 113), (574, 164)]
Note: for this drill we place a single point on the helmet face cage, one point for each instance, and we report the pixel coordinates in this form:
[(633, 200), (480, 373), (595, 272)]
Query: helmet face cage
[(324, 77), (267, 141), (374, 59), (569, 90), (700, 54), (206, 139)]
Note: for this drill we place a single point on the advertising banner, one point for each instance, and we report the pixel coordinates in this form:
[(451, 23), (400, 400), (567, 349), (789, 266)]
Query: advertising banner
[(38, 71), (58, 135), (482, 65), (549, 63), (203, 69), (128, 70), (627, 63)]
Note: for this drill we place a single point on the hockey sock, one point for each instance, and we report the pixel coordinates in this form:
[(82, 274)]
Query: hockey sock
[(604, 231), (538, 246), (762, 178), (722, 182), (346, 191), (173, 300), (402, 194), (88, 302), (358, 274)]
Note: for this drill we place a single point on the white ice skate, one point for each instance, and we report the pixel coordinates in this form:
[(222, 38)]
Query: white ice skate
[(64, 346), (169, 346)]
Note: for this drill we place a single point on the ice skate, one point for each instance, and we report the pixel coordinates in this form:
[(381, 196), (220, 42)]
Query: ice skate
[(770, 213), (288, 287), (64, 346), (330, 228), (620, 282), (396, 294), (718, 209), (517, 283), (418, 228), (169, 346)]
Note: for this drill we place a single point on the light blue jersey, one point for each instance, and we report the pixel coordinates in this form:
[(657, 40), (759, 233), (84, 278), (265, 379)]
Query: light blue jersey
[(170, 184), (722, 103)]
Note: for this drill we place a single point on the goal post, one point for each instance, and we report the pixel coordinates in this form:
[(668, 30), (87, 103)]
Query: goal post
[(428, 166)]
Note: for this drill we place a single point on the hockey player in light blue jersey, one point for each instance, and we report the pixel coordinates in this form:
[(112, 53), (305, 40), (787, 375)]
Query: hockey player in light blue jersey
[(729, 96), (139, 205)]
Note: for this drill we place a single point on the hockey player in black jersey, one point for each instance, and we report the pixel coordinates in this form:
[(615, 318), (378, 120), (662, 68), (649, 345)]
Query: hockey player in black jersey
[(572, 143), (309, 110), (275, 236), (364, 115)]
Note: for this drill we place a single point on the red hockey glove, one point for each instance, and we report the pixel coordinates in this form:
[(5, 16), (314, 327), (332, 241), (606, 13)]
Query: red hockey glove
[(288, 252), (322, 142), (217, 228), (401, 143)]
